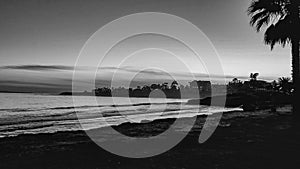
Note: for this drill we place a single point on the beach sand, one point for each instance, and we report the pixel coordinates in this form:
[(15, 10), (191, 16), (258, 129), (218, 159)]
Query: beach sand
[(243, 140)]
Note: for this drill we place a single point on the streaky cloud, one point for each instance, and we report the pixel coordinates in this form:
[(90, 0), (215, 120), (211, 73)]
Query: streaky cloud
[(38, 67)]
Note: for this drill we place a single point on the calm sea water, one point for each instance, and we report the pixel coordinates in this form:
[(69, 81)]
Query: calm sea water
[(33, 113)]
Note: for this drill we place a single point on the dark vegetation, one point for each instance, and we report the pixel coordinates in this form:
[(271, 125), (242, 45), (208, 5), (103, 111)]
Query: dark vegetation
[(255, 94), (250, 95), (164, 90), (281, 18)]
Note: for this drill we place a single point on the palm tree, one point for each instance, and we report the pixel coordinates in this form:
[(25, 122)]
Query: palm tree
[(284, 80), (284, 84), (282, 21), (253, 76)]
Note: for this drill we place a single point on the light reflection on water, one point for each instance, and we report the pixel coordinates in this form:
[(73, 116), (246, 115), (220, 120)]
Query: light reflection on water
[(33, 113)]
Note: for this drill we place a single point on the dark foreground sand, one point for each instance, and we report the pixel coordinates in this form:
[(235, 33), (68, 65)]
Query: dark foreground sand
[(253, 141)]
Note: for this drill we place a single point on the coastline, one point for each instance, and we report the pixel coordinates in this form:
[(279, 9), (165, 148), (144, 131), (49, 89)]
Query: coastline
[(248, 141)]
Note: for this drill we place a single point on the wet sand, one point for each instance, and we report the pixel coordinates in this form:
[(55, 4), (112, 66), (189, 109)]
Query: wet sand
[(242, 140)]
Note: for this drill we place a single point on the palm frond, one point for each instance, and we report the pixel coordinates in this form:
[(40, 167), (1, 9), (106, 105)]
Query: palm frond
[(284, 79), (277, 33), (261, 22), (271, 6), (277, 16), (258, 16), (263, 11)]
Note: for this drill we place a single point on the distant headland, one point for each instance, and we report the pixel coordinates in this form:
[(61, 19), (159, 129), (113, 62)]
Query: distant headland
[(250, 95)]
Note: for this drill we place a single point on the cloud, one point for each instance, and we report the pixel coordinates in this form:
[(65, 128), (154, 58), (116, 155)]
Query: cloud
[(32, 84), (127, 69), (134, 70), (38, 67), (153, 72)]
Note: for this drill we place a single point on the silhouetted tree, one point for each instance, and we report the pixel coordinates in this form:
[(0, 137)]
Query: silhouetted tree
[(165, 86), (285, 84), (275, 85), (103, 91), (282, 19), (235, 85), (155, 86), (253, 76), (146, 91), (174, 85)]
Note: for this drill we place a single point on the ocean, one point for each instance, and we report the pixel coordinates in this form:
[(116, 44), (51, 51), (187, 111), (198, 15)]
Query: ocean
[(40, 113)]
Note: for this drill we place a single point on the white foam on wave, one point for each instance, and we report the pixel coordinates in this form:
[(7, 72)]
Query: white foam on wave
[(56, 113)]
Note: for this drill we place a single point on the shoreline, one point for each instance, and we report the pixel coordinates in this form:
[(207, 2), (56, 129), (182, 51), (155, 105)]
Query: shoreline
[(143, 122), (121, 125), (248, 141)]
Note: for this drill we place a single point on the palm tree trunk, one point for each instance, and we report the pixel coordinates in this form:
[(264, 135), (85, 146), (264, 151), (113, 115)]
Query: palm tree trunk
[(296, 78), (295, 12)]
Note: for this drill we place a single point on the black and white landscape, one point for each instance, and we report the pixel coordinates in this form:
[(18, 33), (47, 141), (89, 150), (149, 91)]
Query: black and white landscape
[(56, 110)]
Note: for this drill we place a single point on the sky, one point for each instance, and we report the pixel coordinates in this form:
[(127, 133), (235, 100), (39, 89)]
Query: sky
[(40, 40)]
